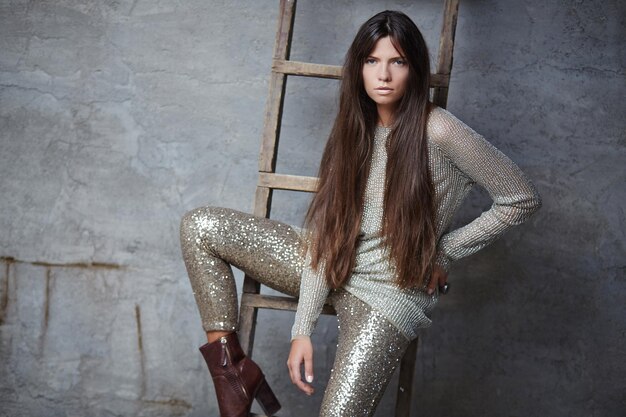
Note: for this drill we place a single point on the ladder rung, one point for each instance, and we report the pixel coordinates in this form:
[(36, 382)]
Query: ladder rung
[(287, 182), (276, 302), (307, 69)]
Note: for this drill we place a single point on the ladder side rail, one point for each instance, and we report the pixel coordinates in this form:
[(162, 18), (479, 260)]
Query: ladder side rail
[(267, 156)]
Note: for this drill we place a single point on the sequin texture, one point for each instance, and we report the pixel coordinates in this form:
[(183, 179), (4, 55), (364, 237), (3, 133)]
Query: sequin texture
[(368, 352), (214, 238)]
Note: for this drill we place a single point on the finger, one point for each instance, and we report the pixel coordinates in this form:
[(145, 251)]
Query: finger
[(294, 371), (296, 377), (308, 368), (304, 387), (434, 279), (289, 368)]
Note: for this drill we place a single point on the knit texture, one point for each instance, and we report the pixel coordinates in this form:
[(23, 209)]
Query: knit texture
[(458, 158)]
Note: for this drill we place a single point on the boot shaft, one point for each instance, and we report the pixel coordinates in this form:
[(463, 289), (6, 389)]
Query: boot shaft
[(237, 379), (222, 352)]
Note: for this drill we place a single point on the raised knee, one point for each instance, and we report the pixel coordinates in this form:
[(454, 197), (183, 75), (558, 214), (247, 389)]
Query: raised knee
[(195, 220)]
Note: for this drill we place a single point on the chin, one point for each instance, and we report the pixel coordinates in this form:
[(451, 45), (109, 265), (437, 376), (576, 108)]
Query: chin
[(386, 102)]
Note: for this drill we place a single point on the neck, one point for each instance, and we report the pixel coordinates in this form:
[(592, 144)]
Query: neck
[(385, 116)]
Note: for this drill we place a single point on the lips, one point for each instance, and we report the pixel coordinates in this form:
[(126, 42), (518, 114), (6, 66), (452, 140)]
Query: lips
[(384, 91)]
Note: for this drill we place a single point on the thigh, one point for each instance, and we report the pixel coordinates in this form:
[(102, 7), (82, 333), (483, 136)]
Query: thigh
[(369, 350), (266, 249)]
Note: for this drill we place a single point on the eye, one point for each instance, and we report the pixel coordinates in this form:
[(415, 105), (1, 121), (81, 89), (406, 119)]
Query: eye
[(400, 62), (370, 61)]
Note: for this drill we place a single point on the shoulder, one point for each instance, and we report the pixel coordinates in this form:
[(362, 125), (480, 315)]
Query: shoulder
[(445, 129), (442, 125)]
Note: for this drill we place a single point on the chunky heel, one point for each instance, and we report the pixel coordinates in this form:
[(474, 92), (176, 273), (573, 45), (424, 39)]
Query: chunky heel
[(266, 398)]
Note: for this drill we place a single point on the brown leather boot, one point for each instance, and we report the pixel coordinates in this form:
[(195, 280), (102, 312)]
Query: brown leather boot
[(237, 379)]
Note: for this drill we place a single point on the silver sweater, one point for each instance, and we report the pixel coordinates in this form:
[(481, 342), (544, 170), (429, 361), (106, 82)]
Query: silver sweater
[(458, 159)]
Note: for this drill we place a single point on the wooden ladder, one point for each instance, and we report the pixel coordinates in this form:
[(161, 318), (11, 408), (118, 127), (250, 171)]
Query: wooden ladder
[(269, 180)]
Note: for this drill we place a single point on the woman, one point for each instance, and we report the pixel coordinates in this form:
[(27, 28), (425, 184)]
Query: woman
[(393, 174)]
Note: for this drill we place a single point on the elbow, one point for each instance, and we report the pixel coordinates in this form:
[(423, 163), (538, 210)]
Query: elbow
[(535, 201), (513, 213), (529, 202), (538, 203), (529, 207)]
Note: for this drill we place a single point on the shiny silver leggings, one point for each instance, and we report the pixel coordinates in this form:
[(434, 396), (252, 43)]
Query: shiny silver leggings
[(369, 346)]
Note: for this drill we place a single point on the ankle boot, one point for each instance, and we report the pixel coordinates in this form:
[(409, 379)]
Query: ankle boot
[(237, 379)]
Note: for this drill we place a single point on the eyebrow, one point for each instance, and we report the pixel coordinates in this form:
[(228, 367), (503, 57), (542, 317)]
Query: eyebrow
[(395, 57)]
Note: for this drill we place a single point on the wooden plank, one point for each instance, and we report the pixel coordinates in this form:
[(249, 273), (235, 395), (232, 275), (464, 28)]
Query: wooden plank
[(267, 155), (277, 85), (446, 49), (405, 381), (276, 302), (270, 301), (247, 329), (446, 40), (439, 80), (307, 69), (262, 201), (273, 117), (288, 182), (247, 315)]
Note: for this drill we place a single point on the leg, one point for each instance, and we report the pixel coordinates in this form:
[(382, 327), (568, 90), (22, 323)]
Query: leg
[(214, 238), (369, 350)]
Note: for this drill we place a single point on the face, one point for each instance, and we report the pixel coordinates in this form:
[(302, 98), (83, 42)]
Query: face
[(385, 75)]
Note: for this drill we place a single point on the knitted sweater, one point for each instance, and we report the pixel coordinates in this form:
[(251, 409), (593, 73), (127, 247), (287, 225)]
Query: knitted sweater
[(458, 159)]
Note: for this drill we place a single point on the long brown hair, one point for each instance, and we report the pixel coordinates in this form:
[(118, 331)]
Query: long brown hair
[(334, 216)]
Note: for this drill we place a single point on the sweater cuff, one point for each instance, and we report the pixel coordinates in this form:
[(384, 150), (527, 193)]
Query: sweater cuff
[(300, 337), (443, 261), (300, 329)]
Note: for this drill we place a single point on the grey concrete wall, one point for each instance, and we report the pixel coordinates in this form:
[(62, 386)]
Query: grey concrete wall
[(118, 116)]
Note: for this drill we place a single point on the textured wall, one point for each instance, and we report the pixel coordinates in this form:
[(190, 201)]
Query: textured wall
[(118, 116)]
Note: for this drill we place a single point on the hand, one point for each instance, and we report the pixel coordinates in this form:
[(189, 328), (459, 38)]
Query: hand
[(301, 351), (440, 276)]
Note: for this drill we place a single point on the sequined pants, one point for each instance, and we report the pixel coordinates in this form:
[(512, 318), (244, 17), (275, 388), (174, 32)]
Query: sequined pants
[(369, 346)]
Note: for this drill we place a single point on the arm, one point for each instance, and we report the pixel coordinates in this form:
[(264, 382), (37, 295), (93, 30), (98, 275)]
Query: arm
[(313, 293), (514, 197)]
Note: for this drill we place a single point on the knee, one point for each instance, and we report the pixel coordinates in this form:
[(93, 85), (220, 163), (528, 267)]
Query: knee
[(195, 221)]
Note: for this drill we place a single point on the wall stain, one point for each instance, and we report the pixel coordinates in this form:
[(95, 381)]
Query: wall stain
[(46, 310), (4, 299), (86, 265), (89, 265), (172, 402), (142, 360), (9, 260)]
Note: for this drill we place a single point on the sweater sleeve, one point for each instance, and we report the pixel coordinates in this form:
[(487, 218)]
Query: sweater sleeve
[(514, 196), (313, 293)]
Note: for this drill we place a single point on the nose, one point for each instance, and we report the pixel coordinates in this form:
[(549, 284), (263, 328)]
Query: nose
[(383, 73)]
